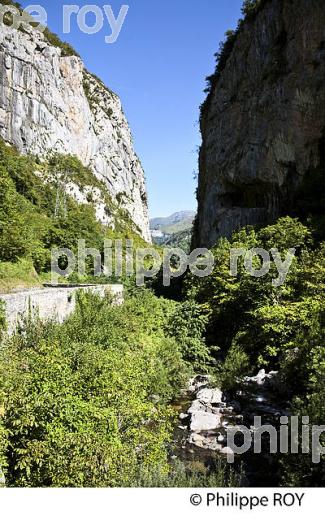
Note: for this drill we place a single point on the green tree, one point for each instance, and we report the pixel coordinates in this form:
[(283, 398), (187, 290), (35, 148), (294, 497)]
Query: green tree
[(14, 233)]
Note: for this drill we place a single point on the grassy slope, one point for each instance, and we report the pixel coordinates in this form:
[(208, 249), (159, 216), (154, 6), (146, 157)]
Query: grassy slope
[(20, 275)]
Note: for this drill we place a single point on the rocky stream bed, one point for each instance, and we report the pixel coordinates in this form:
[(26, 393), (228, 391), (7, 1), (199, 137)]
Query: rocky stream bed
[(207, 415)]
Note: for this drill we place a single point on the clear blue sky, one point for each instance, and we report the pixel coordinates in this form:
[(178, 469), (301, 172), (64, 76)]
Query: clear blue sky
[(158, 67)]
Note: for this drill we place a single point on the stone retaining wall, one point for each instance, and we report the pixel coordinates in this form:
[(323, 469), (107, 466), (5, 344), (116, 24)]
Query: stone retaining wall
[(50, 303)]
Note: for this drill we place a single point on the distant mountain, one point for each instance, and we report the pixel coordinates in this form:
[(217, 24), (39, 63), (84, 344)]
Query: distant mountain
[(173, 231), (179, 221)]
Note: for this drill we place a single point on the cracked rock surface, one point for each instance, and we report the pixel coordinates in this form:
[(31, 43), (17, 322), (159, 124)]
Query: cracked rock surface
[(263, 125), (50, 103)]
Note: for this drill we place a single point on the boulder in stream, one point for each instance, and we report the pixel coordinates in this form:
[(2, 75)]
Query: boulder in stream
[(210, 395), (205, 442), (204, 421)]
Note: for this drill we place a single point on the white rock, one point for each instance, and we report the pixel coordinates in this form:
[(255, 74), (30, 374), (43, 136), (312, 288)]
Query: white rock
[(183, 416), (208, 443), (260, 377), (210, 395), (204, 421), (197, 439), (197, 406)]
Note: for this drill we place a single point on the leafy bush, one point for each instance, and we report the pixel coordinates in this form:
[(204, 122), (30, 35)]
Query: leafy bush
[(2, 318), (235, 366), (298, 469), (14, 232), (66, 48), (234, 301), (251, 7), (85, 403), (187, 325), (69, 168), (20, 274)]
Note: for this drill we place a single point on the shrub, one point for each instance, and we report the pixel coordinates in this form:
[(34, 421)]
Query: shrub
[(2, 318), (21, 273), (14, 232), (298, 469), (235, 366), (77, 398), (251, 7), (187, 325), (66, 48), (180, 475)]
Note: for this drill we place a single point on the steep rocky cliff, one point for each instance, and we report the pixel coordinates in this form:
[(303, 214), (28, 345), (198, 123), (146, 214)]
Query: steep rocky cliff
[(50, 103), (263, 123)]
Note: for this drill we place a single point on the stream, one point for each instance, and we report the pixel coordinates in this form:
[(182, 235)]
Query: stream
[(207, 415)]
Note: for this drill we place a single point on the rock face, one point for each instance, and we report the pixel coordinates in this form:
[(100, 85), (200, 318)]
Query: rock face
[(263, 124), (50, 103)]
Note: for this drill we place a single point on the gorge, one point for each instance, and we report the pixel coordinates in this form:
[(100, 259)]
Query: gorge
[(147, 393)]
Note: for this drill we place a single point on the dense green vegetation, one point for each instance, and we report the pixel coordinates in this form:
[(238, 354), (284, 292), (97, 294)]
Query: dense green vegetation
[(86, 403), (78, 405), (180, 239), (17, 275), (87, 387), (251, 7), (32, 222), (257, 325)]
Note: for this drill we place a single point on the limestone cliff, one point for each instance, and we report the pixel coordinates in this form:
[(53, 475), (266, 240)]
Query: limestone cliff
[(50, 103), (263, 123)]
